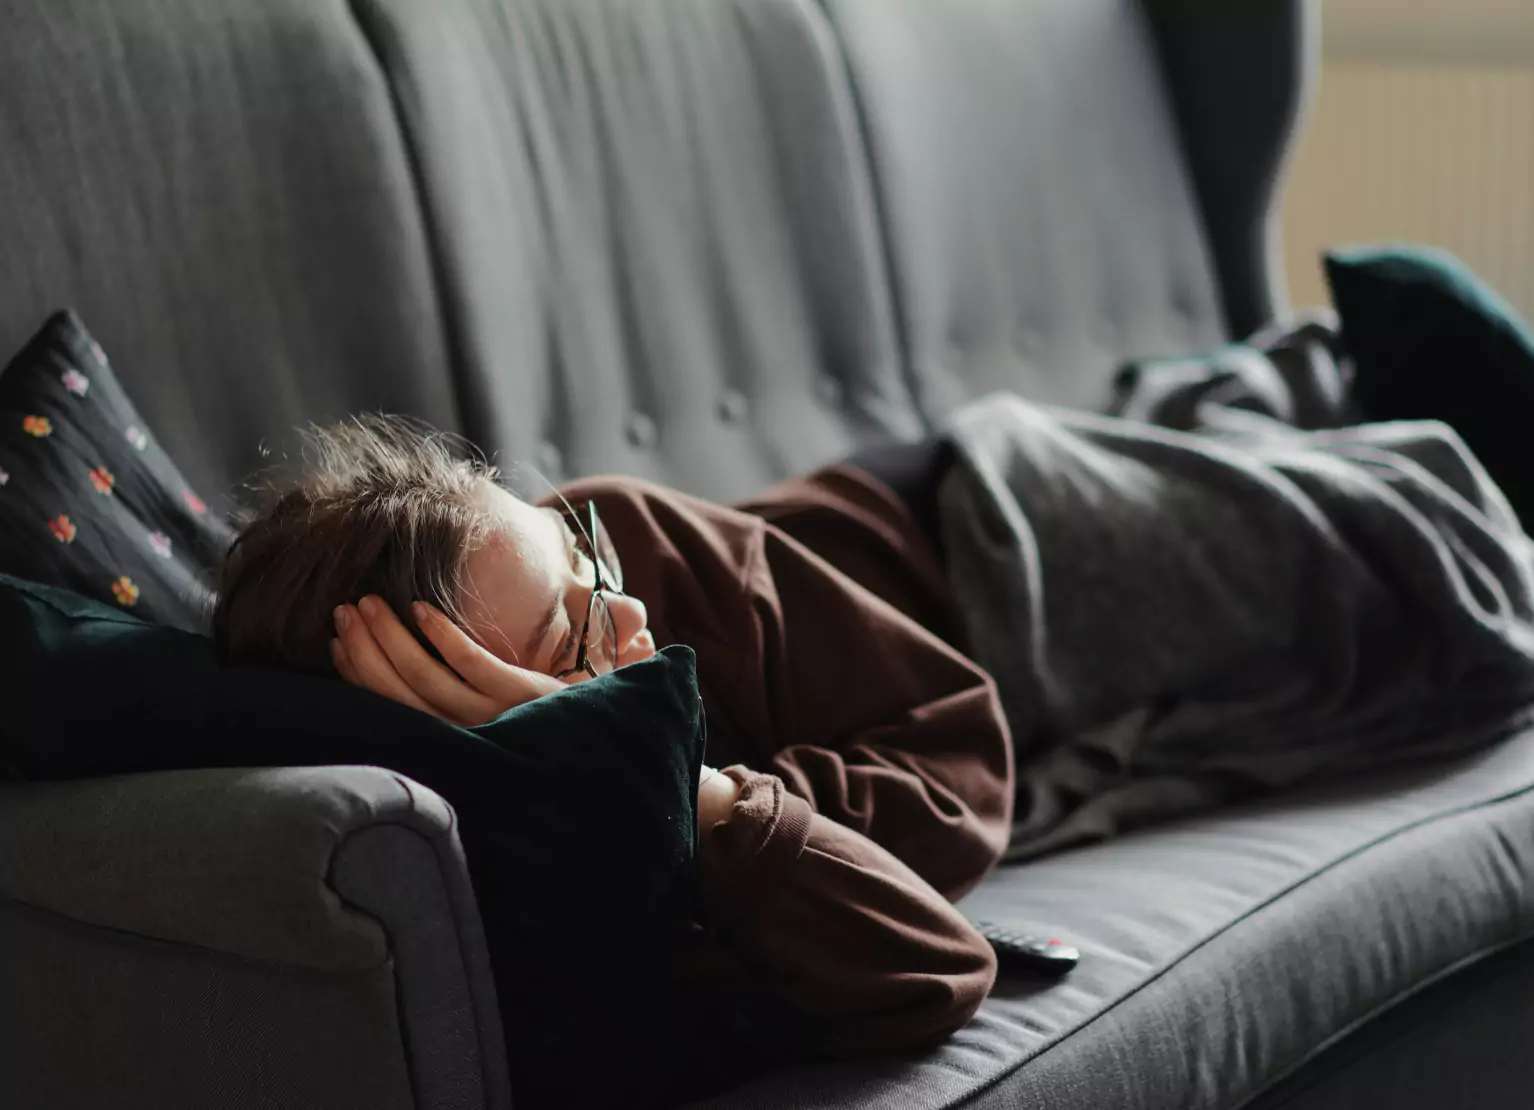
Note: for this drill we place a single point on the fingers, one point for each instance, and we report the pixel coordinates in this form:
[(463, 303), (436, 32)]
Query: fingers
[(342, 664), (363, 663), (428, 680), (504, 683)]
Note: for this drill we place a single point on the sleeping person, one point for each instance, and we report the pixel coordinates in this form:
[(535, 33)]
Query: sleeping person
[(1038, 629), (864, 765)]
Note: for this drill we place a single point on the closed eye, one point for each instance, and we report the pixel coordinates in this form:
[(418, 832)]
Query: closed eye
[(565, 657)]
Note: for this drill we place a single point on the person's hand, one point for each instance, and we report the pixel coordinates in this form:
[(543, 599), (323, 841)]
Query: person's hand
[(717, 794), (373, 649)]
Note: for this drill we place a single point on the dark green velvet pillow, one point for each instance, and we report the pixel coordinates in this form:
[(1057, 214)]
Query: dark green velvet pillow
[(1431, 340), (575, 811)]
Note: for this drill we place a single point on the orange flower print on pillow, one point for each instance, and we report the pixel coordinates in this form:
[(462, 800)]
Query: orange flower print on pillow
[(39, 426), (125, 592), (63, 529), (102, 479), (76, 382)]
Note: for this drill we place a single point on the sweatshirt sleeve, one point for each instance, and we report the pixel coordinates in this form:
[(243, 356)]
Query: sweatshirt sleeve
[(882, 727), (854, 940), (812, 674)]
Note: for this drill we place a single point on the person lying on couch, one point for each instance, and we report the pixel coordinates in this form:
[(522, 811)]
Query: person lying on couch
[(868, 762), (1039, 629)]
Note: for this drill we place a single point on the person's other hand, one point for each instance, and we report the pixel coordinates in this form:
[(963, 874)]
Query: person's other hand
[(374, 650), (717, 794)]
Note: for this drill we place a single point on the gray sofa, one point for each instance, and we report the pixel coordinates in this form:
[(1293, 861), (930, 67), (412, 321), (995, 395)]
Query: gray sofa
[(710, 242)]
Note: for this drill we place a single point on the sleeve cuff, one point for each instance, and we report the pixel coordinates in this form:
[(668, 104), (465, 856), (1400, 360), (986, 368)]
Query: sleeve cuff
[(747, 858)]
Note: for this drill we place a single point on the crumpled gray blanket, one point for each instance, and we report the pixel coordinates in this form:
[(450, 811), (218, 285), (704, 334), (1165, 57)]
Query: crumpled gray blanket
[(1224, 590)]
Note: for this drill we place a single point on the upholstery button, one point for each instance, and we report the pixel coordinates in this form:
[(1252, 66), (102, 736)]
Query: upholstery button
[(732, 406), (641, 430), (548, 459), (1185, 310), (829, 390)]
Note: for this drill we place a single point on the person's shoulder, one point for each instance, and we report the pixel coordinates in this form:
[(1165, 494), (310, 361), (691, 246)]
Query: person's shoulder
[(653, 497), (620, 487), (693, 525)]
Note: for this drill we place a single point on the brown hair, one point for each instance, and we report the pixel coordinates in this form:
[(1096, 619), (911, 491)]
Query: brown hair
[(379, 506)]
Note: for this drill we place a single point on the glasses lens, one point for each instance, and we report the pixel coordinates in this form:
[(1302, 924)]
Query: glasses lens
[(602, 642), (607, 555)]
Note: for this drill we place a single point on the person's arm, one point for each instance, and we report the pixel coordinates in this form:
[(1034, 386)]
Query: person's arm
[(884, 728), (874, 958)]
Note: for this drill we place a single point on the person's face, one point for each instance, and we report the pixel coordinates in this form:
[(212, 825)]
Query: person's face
[(527, 588)]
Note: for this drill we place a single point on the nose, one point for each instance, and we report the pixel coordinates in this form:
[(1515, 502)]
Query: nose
[(631, 624)]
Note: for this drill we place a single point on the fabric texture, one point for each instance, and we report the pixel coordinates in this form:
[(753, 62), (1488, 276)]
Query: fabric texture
[(222, 191), (867, 530), (827, 947), (229, 953), (656, 233), (1430, 340), (871, 719), (1224, 953), (1479, 1018), (251, 1036), (526, 789), (1036, 200), (1176, 620), (89, 500)]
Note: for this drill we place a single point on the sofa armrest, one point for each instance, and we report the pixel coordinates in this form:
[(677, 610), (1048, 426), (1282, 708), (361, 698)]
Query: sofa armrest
[(348, 872)]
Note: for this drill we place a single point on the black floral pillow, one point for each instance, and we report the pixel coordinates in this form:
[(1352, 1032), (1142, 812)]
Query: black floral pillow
[(88, 500)]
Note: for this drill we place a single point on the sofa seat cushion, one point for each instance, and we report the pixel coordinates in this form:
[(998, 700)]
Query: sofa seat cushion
[(1221, 954)]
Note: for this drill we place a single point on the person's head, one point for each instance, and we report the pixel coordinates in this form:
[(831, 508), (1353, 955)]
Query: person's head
[(380, 507)]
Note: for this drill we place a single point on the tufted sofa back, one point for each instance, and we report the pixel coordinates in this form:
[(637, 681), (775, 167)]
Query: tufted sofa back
[(709, 242), (222, 190)]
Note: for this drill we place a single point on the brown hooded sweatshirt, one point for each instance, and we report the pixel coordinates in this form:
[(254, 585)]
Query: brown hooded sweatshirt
[(880, 773)]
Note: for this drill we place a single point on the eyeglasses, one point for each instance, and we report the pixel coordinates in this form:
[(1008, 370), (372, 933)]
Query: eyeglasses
[(598, 653)]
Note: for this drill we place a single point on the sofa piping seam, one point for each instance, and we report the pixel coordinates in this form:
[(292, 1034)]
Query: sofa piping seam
[(968, 1097)]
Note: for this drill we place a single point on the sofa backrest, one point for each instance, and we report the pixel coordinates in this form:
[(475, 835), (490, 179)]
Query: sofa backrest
[(1067, 184), (221, 190), (655, 230), (711, 242)]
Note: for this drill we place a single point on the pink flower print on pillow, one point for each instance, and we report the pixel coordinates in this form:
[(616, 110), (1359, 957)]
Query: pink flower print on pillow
[(4, 479), (193, 502), (76, 382), (136, 437), (161, 544)]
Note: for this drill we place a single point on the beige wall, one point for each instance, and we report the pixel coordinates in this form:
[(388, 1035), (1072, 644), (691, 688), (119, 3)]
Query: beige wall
[(1422, 130)]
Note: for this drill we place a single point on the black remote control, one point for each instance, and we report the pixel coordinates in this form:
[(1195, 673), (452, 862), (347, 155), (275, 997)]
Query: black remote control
[(1020, 950)]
